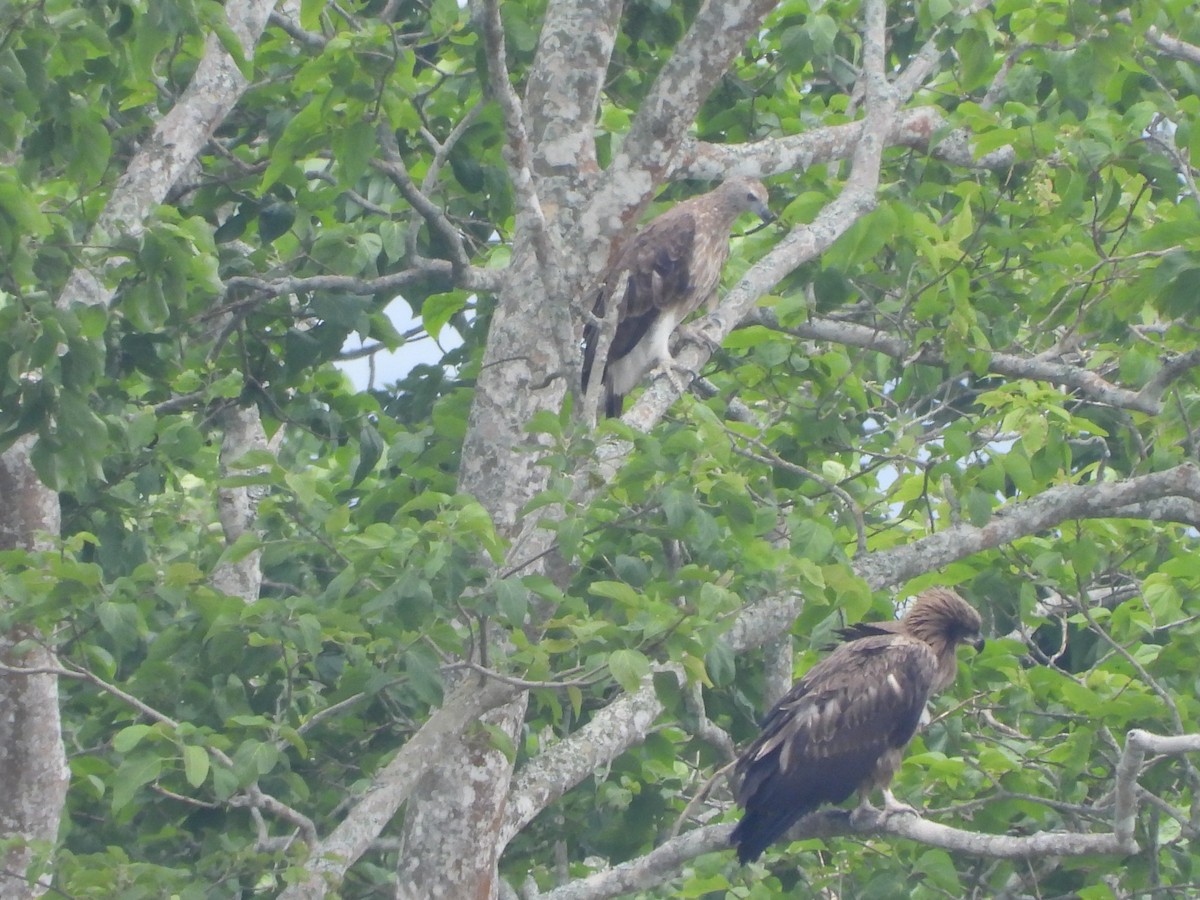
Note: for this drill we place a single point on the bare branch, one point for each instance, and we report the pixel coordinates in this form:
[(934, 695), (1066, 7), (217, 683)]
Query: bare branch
[(923, 64), (706, 729), (716, 35), (1016, 520), (1173, 47), (474, 279), (441, 149), (292, 28), (1087, 382), (664, 862), (769, 457), (623, 723), (523, 684), (1137, 744), (923, 128), (393, 166), (656, 867)]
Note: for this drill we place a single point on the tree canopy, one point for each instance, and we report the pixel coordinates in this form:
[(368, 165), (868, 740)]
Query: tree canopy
[(263, 633)]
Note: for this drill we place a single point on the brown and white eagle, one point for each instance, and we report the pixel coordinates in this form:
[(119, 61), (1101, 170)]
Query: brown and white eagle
[(674, 266), (844, 725)]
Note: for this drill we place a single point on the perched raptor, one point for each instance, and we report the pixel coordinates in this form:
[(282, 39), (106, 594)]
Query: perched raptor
[(674, 266), (845, 724)]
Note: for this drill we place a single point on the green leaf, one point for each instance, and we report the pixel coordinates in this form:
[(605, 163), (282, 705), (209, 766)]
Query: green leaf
[(616, 590), (500, 740), (628, 667), (253, 759), (133, 773), (195, 764), (512, 599), (370, 450), (440, 309), (129, 737)]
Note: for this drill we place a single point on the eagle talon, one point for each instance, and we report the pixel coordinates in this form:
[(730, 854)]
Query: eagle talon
[(672, 371), (865, 816), (894, 807), (696, 336)]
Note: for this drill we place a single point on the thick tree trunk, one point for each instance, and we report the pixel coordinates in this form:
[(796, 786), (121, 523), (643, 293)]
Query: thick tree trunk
[(451, 846), (33, 768), (452, 822)]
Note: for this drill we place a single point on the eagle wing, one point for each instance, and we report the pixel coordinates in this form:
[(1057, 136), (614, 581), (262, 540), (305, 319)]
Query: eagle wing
[(659, 262), (824, 739)]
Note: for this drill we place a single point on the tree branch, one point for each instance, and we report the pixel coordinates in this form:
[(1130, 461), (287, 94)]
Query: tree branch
[(1172, 46), (611, 731), (474, 279), (915, 128), (664, 862), (1085, 381), (1025, 517), (393, 166), (563, 90)]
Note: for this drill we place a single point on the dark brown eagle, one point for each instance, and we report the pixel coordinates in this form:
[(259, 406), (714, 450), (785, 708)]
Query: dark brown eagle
[(674, 266), (844, 725)]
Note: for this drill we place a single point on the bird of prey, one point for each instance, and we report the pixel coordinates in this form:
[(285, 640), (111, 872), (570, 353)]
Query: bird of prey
[(673, 266), (845, 724)]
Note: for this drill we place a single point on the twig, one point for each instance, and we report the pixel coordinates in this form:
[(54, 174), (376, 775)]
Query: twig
[(393, 166), (589, 680), (1088, 383), (603, 330), (700, 796), (706, 728)]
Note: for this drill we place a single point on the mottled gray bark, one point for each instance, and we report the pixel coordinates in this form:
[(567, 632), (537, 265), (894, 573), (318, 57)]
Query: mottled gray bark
[(33, 767)]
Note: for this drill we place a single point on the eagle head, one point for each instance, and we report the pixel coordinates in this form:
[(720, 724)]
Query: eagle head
[(746, 195)]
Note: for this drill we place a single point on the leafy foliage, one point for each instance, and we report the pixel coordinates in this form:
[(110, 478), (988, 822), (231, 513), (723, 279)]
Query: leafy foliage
[(378, 575)]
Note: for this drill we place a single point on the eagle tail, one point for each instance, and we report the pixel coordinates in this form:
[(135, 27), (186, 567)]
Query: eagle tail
[(759, 828), (613, 403)]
